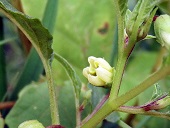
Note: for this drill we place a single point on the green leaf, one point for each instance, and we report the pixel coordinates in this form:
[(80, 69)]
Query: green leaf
[(142, 10), (39, 37), (33, 103), (85, 28), (141, 16), (97, 94), (50, 13), (123, 7), (66, 105), (71, 73), (32, 28), (157, 92), (31, 72)]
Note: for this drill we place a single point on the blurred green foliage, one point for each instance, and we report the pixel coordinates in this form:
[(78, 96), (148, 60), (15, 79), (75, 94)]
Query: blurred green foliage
[(83, 28)]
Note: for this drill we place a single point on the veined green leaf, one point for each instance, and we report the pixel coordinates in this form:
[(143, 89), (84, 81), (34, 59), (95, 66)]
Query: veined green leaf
[(32, 28), (141, 19), (33, 103), (71, 73), (142, 10), (41, 39)]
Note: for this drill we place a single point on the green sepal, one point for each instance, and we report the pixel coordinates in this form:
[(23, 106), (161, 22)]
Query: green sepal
[(139, 23)]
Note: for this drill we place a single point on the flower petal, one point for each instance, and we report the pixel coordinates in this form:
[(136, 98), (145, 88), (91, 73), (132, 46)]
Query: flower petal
[(86, 72), (166, 39), (91, 61), (100, 62), (95, 80), (104, 75)]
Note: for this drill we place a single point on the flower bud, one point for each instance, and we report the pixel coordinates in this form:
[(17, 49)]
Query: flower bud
[(99, 73), (157, 104), (85, 92), (31, 124), (162, 30), (162, 103)]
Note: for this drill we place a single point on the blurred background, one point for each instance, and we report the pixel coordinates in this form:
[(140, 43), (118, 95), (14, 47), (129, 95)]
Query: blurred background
[(80, 29)]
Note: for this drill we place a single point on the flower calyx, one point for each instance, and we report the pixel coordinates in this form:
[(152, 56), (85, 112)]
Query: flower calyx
[(157, 104)]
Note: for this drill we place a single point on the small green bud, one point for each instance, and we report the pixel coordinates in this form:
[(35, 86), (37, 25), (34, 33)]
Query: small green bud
[(163, 103), (162, 30), (99, 73), (31, 124), (86, 92), (157, 104)]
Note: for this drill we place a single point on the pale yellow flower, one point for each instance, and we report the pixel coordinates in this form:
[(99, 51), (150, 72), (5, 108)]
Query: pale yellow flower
[(99, 73)]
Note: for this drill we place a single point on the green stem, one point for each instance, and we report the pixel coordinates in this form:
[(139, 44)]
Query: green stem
[(113, 104), (52, 96), (152, 79), (120, 21), (100, 115), (134, 110), (121, 58), (78, 113), (118, 77)]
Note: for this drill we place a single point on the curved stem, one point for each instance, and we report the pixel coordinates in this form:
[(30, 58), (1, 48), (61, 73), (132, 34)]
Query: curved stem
[(134, 110), (96, 109), (78, 113), (113, 104), (98, 116), (52, 96)]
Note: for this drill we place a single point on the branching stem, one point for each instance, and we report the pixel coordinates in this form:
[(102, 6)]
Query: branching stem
[(113, 104)]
